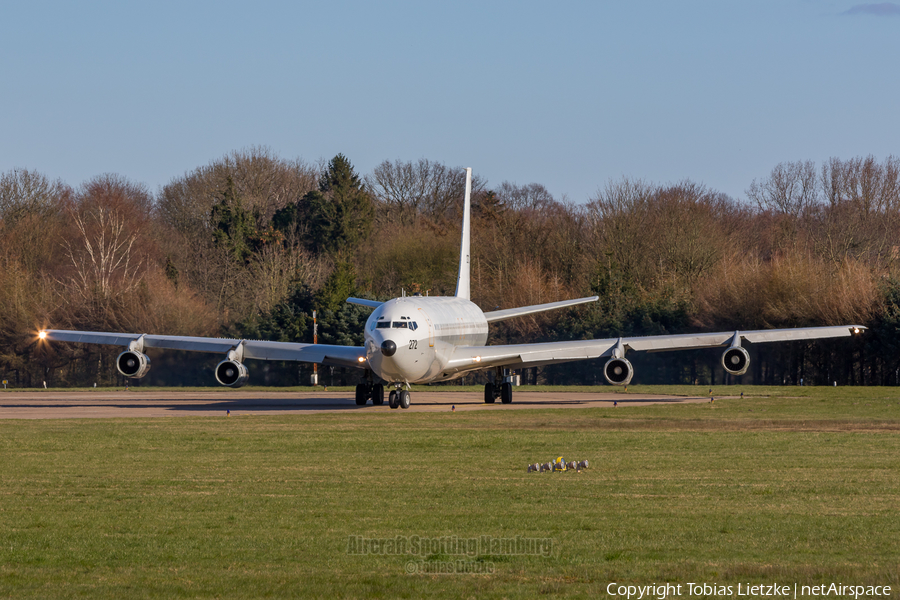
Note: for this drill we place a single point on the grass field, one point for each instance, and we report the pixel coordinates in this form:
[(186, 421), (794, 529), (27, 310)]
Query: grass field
[(795, 485)]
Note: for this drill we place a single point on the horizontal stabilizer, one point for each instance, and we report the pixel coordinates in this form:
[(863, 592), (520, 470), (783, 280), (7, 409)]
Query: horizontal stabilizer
[(509, 313), (364, 302)]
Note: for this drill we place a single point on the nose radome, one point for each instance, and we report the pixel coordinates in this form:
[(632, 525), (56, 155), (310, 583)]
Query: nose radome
[(388, 348)]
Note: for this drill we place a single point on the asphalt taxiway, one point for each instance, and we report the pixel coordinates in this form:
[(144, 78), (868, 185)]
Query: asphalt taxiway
[(148, 403)]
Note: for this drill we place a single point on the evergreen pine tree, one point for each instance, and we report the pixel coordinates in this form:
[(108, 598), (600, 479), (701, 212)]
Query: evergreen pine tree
[(232, 224), (341, 212)]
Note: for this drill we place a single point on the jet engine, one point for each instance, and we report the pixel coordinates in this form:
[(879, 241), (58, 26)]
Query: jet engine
[(736, 360), (232, 373), (132, 363), (618, 371)]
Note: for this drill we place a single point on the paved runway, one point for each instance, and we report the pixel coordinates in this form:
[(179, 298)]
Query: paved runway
[(147, 403)]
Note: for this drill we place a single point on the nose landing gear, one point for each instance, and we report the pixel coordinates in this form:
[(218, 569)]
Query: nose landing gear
[(366, 390), (398, 399)]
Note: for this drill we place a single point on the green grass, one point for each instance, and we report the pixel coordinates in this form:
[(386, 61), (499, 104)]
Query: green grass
[(791, 484)]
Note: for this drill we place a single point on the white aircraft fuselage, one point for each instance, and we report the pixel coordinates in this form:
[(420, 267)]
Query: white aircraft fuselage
[(411, 339)]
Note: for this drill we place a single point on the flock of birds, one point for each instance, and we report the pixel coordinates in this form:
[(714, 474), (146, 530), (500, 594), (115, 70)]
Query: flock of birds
[(558, 465)]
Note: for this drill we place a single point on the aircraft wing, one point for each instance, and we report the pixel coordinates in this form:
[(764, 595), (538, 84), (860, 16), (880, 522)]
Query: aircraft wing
[(473, 358), (343, 356)]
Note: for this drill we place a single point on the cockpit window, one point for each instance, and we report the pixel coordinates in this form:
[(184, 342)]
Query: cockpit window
[(405, 324)]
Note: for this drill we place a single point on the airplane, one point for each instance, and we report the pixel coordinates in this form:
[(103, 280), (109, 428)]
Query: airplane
[(424, 339)]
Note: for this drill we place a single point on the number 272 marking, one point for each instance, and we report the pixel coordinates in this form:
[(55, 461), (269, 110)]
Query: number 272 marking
[(413, 344)]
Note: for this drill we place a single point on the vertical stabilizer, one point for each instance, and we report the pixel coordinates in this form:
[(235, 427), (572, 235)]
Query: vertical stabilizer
[(462, 282)]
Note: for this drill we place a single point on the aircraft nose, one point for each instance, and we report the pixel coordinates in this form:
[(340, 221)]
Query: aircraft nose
[(388, 348)]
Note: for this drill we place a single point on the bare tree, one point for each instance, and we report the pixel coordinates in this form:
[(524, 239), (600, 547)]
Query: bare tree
[(103, 258), (24, 192), (425, 187), (108, 248), (526, 225), (861, 215), (617, 220), (862, 182), (31, 209), (532, 196), (791, 189), (689, 239)]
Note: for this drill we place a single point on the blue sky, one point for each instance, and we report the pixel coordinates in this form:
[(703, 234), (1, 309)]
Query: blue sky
[(571, 94)]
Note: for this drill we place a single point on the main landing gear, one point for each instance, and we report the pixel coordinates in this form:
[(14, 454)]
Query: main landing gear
[(396, 399), (502, 391), (366, 391)]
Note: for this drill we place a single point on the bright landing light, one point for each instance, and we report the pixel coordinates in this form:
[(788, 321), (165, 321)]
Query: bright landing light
[(42, 334)]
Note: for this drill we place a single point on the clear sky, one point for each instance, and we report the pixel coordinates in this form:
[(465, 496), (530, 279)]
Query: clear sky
[(568, 93)]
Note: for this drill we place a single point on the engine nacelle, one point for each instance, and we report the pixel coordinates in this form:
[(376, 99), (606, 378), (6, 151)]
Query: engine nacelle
[(132, 363), (618, 371), (232, 373), (736, 360)]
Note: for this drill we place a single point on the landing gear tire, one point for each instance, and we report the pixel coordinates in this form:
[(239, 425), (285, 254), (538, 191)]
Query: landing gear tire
[(392, 399), (362, 394), (377, 394), (489, 393), (404, 399), (506, 393)]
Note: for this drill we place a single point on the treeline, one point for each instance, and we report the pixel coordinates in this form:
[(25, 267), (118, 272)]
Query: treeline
[(251, 244)]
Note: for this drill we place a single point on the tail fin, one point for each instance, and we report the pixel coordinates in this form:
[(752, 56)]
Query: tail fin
[(462, 282)]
